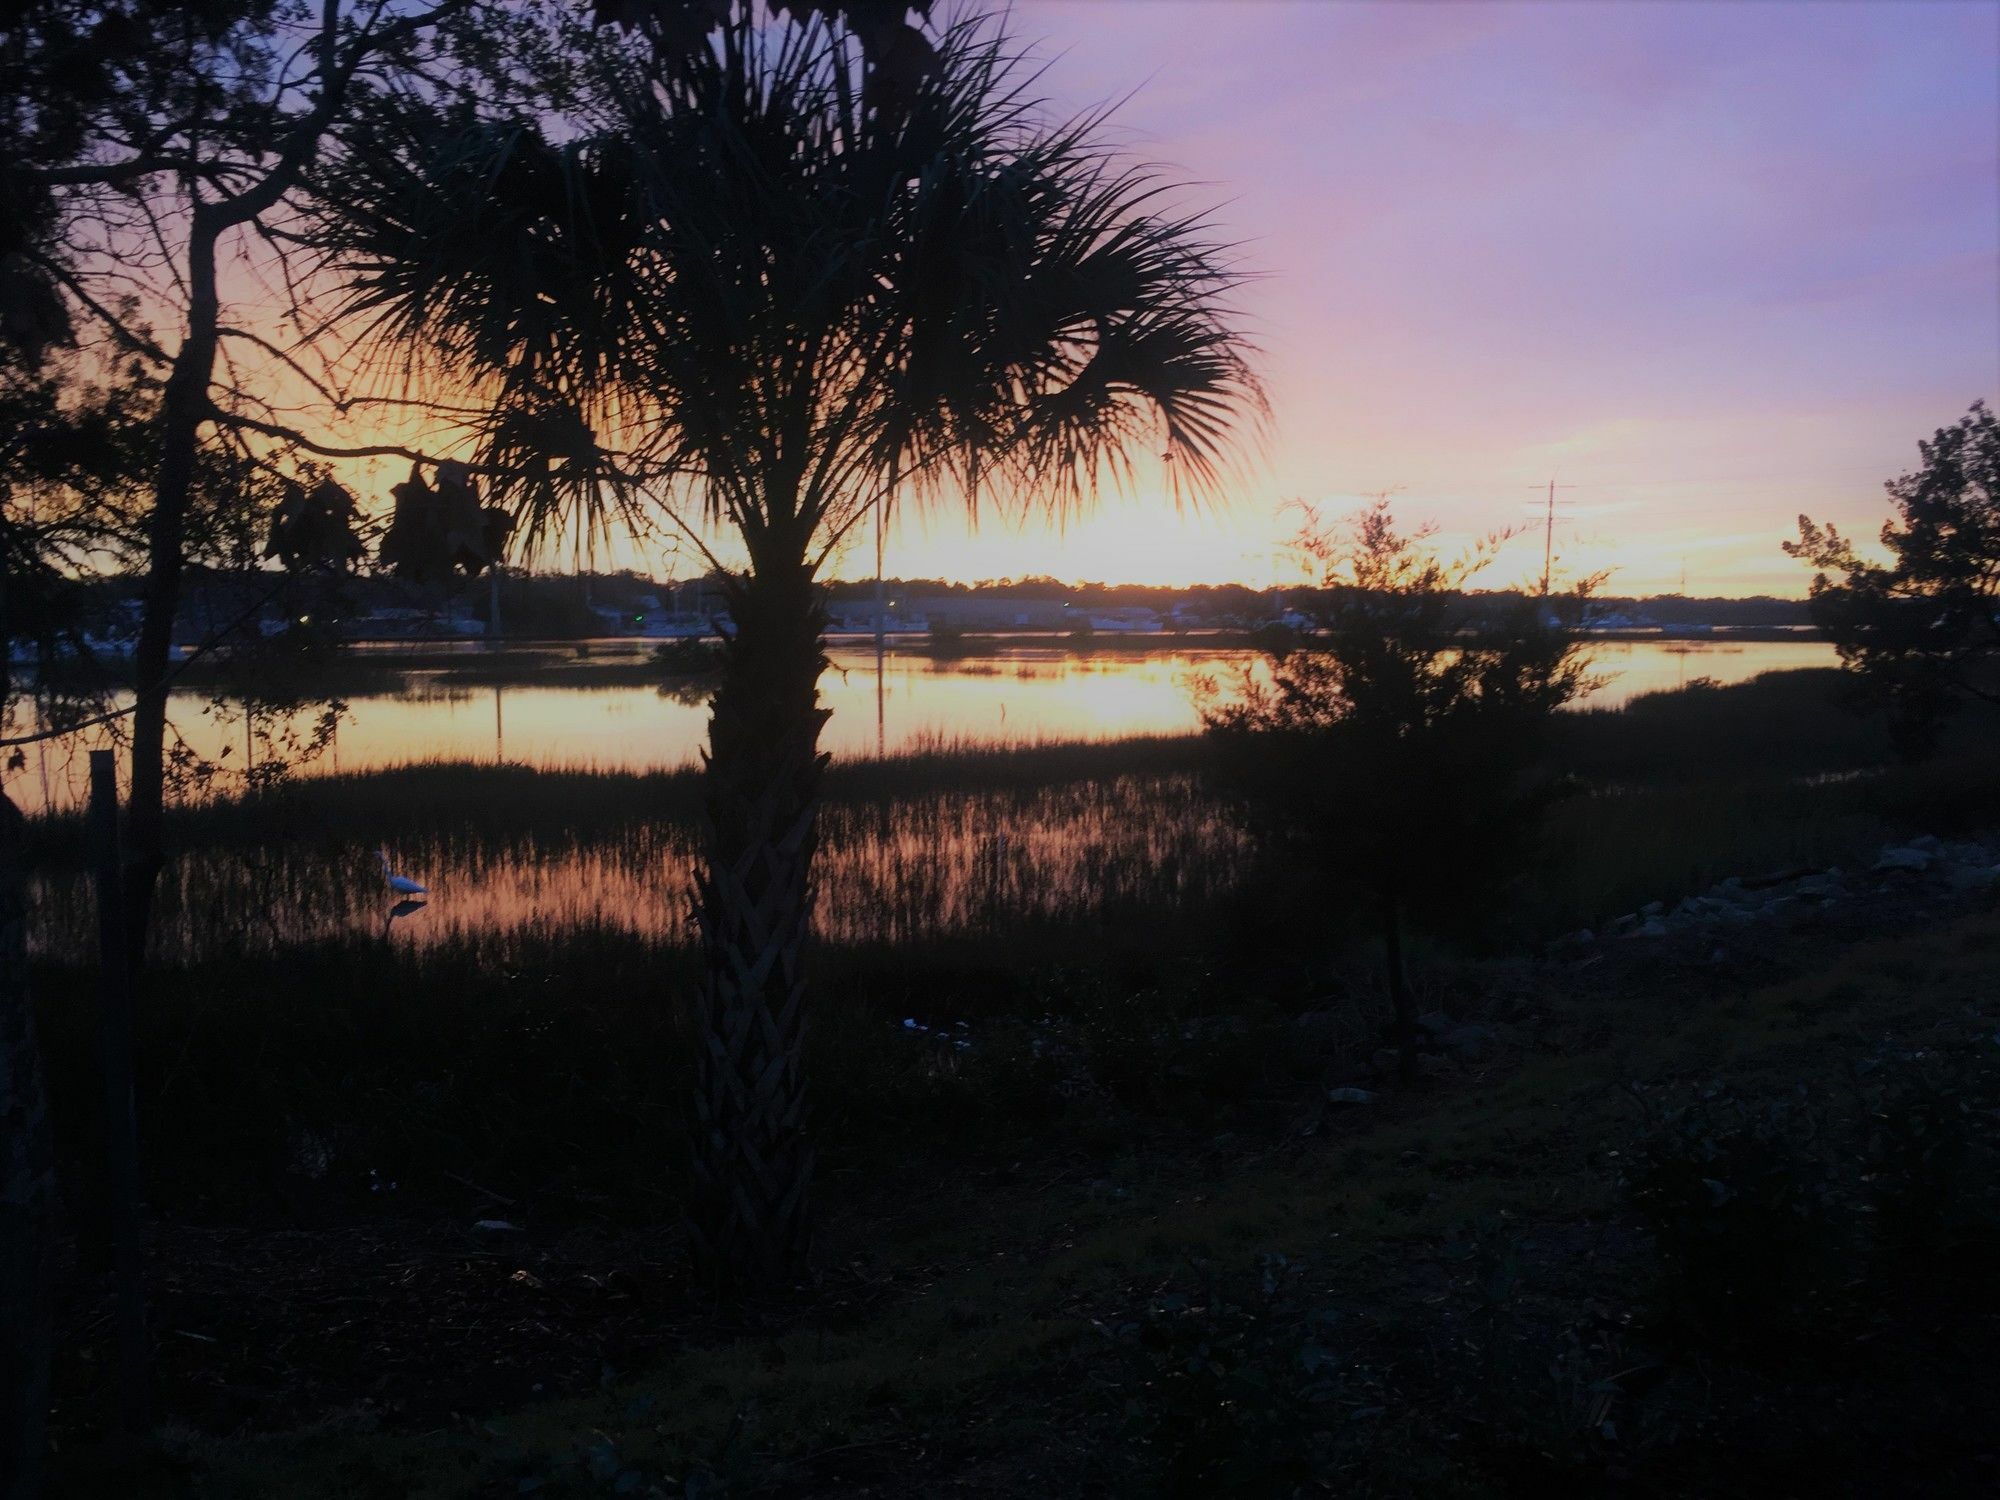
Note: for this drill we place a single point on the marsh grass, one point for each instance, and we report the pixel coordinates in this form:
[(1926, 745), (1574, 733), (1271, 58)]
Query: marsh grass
[(530, 1021), (1671, 793)]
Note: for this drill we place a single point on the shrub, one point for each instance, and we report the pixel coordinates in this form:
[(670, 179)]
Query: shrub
[(1742, 1213), (1242, 1390), (1934, 1173)]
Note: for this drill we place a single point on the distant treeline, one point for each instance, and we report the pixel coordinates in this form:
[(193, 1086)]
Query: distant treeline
[(1241, 599), (562, 605)]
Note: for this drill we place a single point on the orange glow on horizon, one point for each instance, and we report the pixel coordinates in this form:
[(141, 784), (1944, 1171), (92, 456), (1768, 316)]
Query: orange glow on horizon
[(1710, 267)]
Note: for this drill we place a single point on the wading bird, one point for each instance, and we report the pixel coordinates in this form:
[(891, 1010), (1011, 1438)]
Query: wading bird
[(402, 885)]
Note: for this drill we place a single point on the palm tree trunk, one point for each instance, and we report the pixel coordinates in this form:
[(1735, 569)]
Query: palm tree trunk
[(27, 1191), (748, 1210)]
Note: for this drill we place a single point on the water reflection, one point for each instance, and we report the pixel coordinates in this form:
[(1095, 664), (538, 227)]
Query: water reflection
[(900, 700), (937, 866), (408, 907)]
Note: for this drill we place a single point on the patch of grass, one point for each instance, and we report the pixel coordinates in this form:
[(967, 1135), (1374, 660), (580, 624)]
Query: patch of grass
[(278, 1022), (1066, 1281)]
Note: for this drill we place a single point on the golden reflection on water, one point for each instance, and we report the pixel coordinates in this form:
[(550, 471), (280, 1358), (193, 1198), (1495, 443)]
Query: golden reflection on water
[(1025, 696), (938, 866)]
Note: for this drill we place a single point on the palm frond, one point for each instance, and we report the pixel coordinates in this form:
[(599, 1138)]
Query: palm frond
[(751, 278)]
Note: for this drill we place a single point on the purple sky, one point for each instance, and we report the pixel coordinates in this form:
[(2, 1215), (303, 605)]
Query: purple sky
[(1712, 263)]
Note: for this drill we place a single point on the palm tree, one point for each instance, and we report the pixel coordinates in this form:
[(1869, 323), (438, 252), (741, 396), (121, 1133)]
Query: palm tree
[(752, 295)]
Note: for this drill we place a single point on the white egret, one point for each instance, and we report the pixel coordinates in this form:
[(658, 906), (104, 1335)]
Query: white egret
[(402, 885)]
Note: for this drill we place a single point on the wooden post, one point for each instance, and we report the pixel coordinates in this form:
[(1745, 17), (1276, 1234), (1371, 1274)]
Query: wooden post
[(121, 1129)]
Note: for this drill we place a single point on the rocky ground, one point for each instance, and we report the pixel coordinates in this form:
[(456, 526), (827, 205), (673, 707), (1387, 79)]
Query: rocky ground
[(1927, 873)]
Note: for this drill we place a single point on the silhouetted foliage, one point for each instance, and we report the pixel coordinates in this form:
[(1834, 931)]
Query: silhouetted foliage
[(742, 282), (1934, 1176), (1743, 1216), (72, 463), (1921, 633), (1397, 747), (315, 527), (439, 532)]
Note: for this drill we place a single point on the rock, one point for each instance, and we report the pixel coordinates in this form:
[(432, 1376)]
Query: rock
[(1349, 1096), (1652, 927), (1385, 1060), (1791, 912), (1468, 1042), (1653, 908), (1930, 843), (1435, 1023), (1772, 878), (1624, 923), (1907, 858), (1972, 877), (495, 1226), (1822, 886), (1583, 937), (1320, 1025)]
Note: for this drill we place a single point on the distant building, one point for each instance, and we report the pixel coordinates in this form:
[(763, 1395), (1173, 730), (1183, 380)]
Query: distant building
[(1132, 621), (962, 612)]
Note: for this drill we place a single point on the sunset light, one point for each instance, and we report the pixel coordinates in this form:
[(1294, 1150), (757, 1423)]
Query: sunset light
[(1711, 265), (884, 749)]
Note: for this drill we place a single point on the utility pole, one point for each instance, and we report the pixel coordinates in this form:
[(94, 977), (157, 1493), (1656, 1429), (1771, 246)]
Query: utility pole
[(878, 583), (1549, 534), (881, 705)]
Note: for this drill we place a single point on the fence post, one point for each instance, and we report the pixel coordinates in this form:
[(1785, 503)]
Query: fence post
[(121, 1126)]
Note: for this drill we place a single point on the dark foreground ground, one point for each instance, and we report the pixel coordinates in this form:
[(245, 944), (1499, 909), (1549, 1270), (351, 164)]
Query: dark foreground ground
[(1132, 1209), (1520, 1279)]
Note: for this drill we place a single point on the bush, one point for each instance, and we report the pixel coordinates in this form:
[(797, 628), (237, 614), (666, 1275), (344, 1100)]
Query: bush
[(1742, 1213), (688, 657), (947, 639), (1242, 1394), (1934, 1178)]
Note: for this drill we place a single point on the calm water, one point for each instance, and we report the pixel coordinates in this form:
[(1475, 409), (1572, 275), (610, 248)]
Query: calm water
[(932, 866), (939, 865), (1022, 697)]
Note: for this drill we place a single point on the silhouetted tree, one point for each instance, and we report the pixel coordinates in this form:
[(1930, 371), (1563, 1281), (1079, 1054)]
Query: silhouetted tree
[(69, 464), (1397, 746), (761, 280), (1920, 634), (145, 148), (73, 458)]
